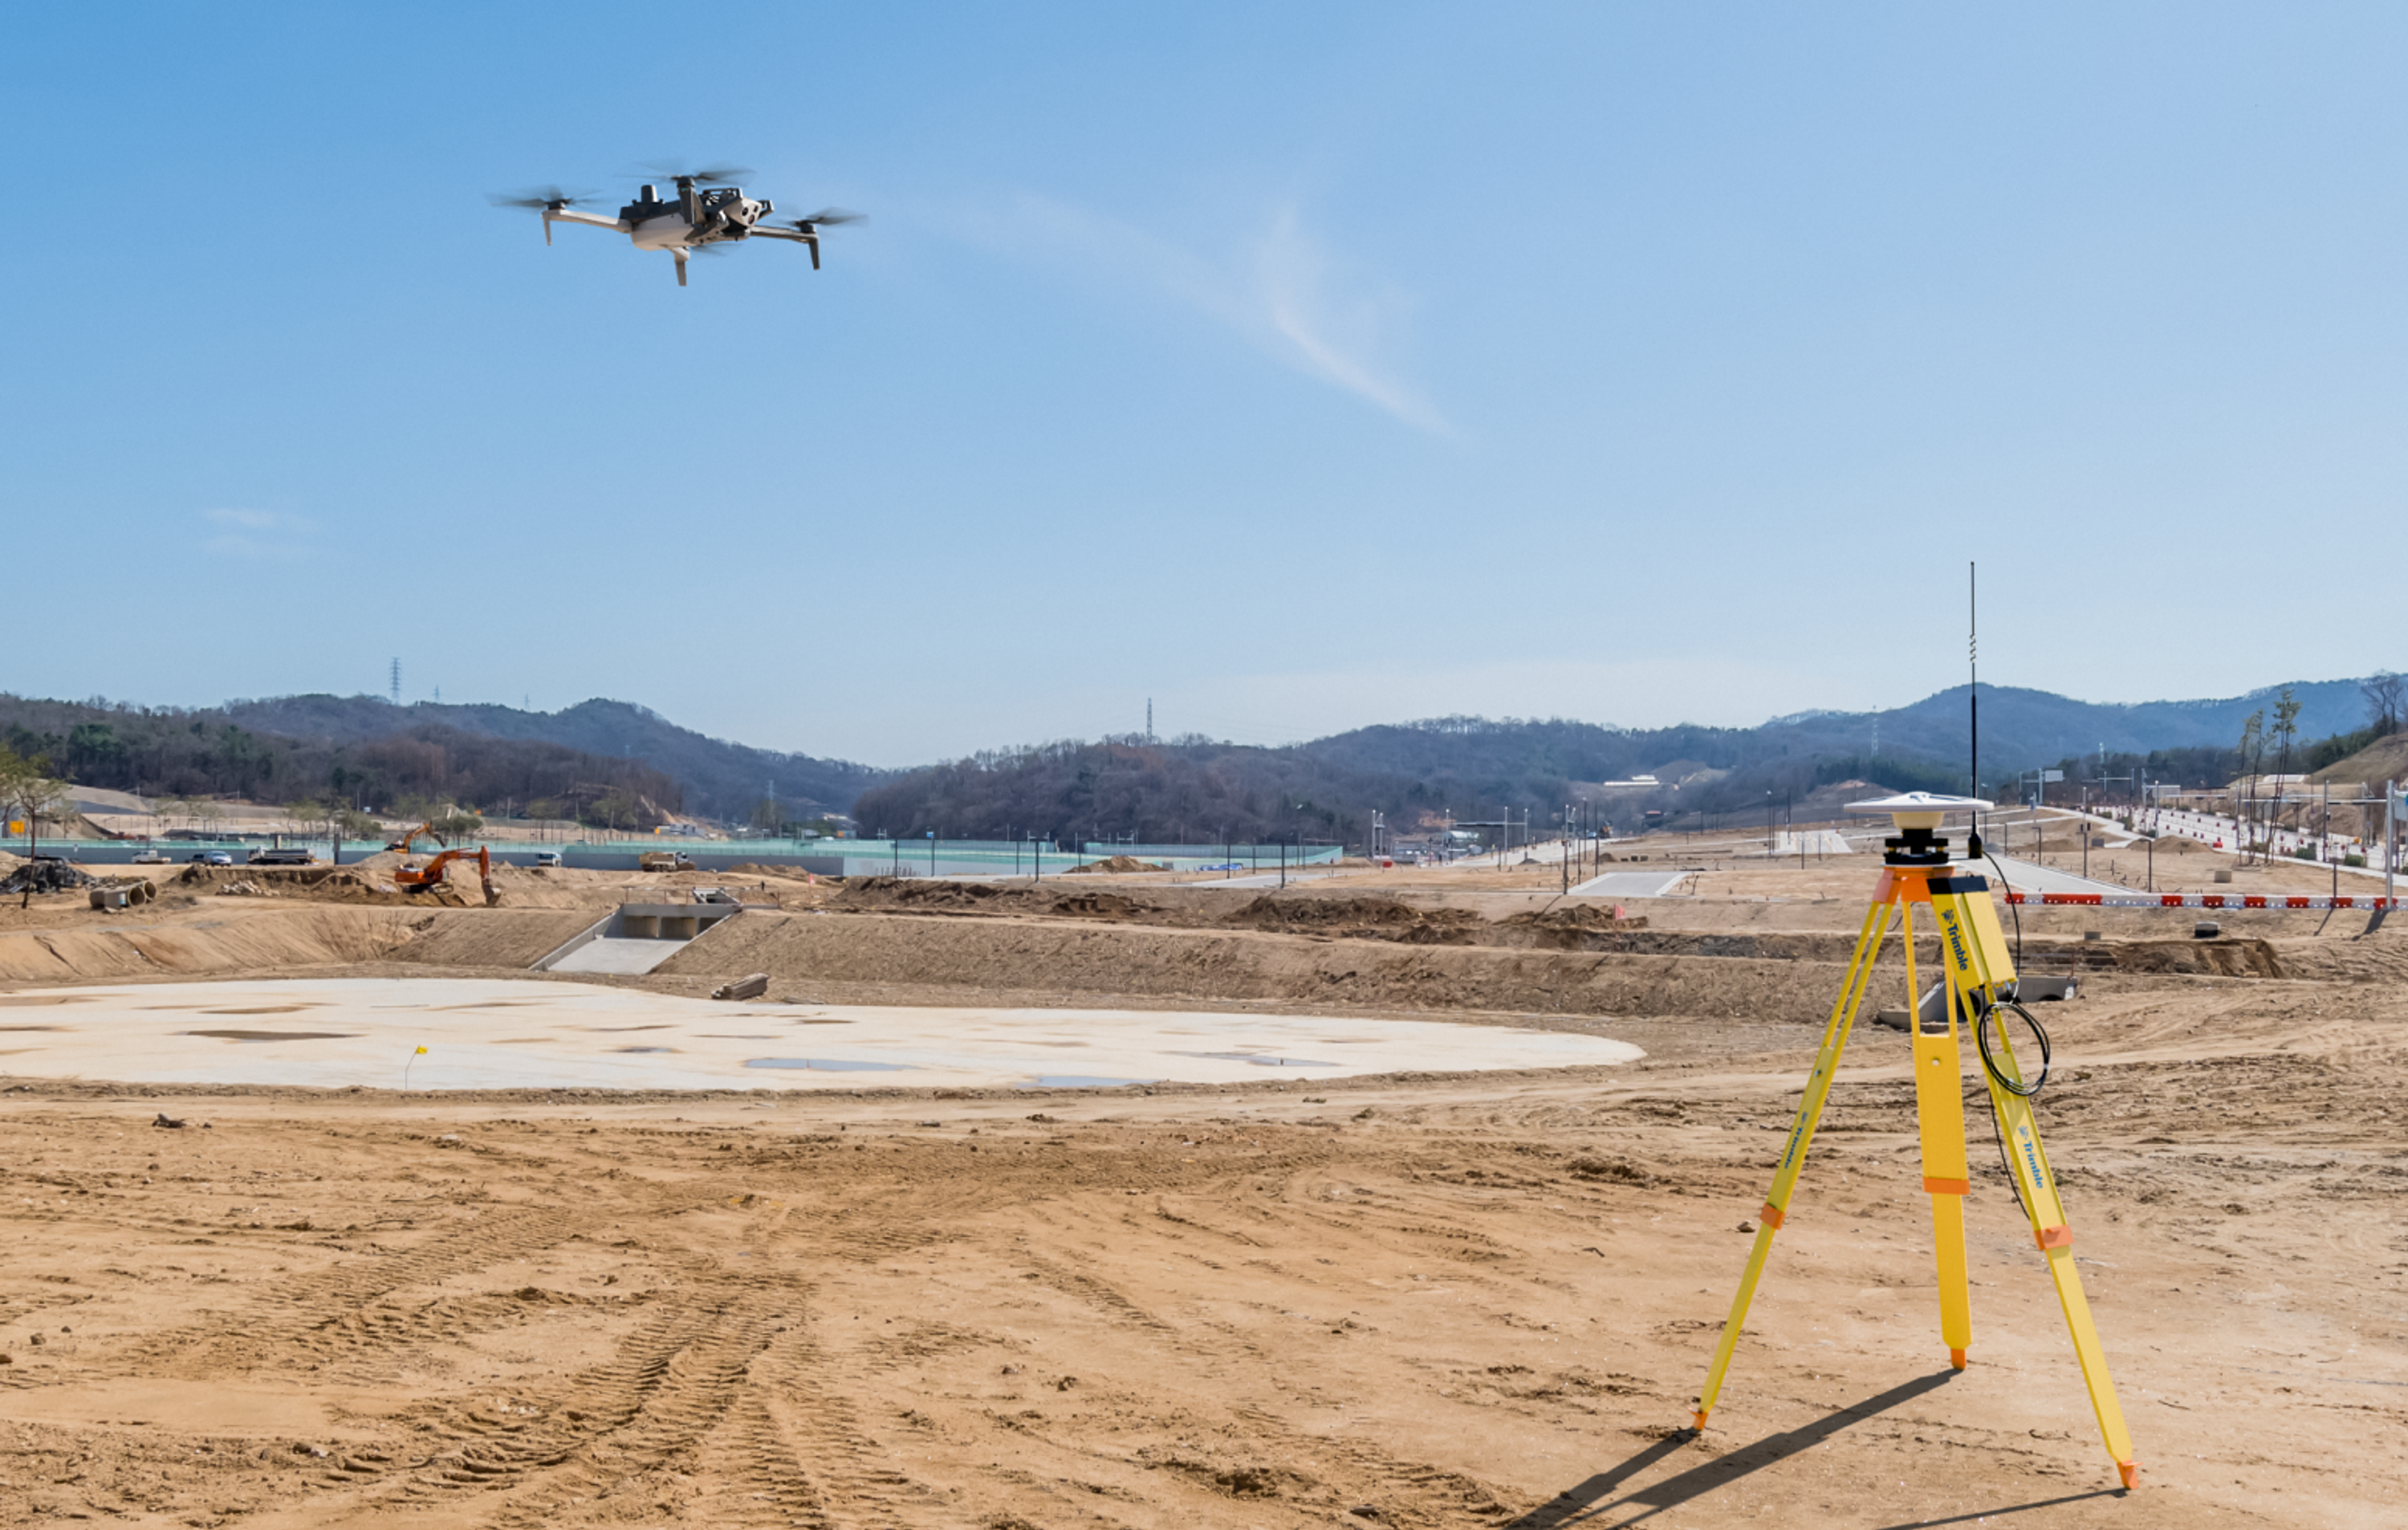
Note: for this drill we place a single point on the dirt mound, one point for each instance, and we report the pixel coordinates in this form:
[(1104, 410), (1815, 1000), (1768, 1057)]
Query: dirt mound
[(910, 892), (2214, 958), (775, 873), (1574, 927), (321, 883), (905, 895), (2174, 845), (1358, 919), (1114, 864)]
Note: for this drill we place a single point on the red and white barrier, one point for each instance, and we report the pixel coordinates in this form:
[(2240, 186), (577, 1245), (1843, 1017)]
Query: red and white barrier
[(2195, 900)]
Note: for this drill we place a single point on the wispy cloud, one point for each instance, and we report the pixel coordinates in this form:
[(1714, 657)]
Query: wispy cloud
[(1278, 286), (259, 534)]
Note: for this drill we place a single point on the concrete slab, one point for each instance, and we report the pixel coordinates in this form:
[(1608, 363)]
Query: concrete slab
[(1630, 884), (2028, 877), (618, 956), (497, 1034)]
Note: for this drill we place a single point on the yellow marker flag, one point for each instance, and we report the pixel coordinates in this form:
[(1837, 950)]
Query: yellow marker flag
[(420, 1052)]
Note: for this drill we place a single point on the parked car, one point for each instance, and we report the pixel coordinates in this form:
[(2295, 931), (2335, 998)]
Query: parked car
[(547, 857), (149, 857), (282, 855), (212, 857)]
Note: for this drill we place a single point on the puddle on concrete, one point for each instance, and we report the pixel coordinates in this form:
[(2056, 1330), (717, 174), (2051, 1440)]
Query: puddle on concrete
[(623, 1027), (827, 1064), (266, 1009), (1078, 1081), (271, 1035), (33, 1027), (817, 1020), (643, 1049), (1262, 1059)]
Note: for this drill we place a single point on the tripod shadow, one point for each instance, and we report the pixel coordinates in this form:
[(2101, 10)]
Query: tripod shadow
[(1593, 1499)]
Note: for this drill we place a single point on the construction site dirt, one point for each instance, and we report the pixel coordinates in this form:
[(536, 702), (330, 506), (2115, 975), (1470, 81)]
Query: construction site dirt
[(1427, 1298)]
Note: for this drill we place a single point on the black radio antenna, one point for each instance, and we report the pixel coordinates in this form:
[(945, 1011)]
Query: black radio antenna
[(1973, 690)]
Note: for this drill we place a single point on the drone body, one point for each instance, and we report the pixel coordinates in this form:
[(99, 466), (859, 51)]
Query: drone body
[(704, 212)]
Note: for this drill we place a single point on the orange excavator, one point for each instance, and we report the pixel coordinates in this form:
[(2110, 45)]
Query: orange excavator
[(420, 878)]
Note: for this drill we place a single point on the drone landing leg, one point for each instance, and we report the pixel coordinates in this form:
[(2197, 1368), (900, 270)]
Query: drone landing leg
[(681, 265)]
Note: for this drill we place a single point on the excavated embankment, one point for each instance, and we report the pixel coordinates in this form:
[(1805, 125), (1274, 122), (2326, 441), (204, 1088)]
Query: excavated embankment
[(983, 956), (252, 940)]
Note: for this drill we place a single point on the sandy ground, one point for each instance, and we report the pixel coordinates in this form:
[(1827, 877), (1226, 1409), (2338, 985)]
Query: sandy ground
[(1403, 1299)]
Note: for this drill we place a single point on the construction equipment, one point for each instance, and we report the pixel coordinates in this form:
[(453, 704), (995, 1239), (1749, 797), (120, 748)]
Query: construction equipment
[(665, 860), (1979, 995), (424, 830), (420, 878)]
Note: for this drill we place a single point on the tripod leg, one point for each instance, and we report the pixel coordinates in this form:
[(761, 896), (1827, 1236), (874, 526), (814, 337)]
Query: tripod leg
[(1784, 1178), (1939, 1112), (2055, 1239)]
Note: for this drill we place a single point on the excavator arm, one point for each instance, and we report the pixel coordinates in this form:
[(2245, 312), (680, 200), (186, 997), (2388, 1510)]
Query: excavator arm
[(423, 879)]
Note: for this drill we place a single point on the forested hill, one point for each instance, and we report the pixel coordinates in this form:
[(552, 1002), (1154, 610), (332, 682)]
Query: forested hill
[(721, 779), (1197, 791), (359, 749)]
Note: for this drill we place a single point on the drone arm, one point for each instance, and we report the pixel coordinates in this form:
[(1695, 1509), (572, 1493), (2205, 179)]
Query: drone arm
[(811, 240), (570, 215)]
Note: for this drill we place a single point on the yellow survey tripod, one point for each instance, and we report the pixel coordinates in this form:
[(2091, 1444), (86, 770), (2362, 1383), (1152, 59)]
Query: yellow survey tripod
[(1980, 986)]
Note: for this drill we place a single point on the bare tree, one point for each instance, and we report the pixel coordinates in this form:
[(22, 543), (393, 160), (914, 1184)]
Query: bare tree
[(28, 787), (2387, 702), (2285, 728), (2252, 751)]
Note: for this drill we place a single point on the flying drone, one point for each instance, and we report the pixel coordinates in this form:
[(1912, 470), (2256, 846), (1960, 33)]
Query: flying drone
[(705, 213)]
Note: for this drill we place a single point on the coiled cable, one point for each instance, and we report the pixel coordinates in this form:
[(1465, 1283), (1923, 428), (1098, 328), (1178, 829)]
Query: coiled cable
[(1982, 1040)]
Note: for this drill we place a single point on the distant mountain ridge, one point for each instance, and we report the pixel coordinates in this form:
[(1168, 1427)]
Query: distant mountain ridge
[(1468, 767), (723, 779), (1465, 764), (2022, 729)]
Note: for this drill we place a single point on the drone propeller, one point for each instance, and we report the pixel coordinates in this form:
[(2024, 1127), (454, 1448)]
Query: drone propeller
[(825, 217), (715, 175), (542, 199), (546, 200)]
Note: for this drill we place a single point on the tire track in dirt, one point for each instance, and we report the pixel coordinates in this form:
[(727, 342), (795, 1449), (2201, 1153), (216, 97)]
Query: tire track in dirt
[(799, 1438), (302, 1319)]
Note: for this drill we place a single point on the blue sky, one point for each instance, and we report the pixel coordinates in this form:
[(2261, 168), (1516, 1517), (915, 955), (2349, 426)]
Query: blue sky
[(1296, 366)]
